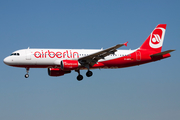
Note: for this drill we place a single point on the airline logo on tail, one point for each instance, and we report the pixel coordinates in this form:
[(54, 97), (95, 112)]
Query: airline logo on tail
[(157, 37)]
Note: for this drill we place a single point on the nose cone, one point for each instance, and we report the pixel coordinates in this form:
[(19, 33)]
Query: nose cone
[(7, 61)]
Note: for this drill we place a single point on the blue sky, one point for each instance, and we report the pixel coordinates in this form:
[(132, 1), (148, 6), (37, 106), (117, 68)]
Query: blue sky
[(145, 92)]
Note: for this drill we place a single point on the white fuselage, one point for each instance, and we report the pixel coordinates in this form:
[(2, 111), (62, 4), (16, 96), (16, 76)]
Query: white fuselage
[(52, 57)]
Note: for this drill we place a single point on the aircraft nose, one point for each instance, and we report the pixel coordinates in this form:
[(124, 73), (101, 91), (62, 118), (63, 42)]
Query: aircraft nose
[(7, 61)]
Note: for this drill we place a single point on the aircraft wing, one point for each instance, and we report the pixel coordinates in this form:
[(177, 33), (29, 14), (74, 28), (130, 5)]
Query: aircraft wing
[(93, 58)]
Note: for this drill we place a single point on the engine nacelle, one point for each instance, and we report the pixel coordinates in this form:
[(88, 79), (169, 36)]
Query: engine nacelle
[(57, 72), (69, 64)]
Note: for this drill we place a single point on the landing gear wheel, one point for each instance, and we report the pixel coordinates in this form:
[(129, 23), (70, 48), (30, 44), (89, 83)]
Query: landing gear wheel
[(27, 71), (26, 75), (89, 74), (79, 77)]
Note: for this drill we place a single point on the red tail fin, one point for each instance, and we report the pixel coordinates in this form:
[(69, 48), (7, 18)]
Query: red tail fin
[(155, 40)]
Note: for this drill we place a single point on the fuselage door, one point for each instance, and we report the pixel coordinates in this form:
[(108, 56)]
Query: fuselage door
[(138, 55), (28, 54)]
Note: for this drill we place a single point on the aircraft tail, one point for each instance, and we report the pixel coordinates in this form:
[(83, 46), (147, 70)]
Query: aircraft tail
[(155, 40)]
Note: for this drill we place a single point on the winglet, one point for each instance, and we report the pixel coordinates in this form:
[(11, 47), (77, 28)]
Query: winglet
[(126, 43)]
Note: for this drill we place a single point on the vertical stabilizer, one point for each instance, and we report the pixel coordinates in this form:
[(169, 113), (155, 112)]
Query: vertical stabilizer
[(155, 40)]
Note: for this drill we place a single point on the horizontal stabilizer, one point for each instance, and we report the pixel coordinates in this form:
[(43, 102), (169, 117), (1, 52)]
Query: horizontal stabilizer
[(162, 53)]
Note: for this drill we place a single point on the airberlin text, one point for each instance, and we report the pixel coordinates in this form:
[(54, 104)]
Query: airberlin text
[(58, 54)]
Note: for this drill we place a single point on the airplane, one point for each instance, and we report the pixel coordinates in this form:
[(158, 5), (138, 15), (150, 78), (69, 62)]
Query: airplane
[(63, 61)]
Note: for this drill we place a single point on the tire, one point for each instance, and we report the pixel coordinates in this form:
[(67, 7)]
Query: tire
[(89, 74), (79, 77), (26, 75)]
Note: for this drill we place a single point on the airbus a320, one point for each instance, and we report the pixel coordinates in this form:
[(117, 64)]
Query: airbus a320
[(63, 61)]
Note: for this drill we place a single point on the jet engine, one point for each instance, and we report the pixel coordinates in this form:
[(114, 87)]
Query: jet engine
[(69, 64)]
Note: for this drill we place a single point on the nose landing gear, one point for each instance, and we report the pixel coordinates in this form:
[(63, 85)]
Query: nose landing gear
[(27, 71)]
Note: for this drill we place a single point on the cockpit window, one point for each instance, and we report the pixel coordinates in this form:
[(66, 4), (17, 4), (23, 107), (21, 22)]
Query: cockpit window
[(15, 54)]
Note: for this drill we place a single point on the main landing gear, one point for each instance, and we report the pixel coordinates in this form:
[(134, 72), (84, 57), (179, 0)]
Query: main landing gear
[(80, 77), (27, 71), (88, 73)]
